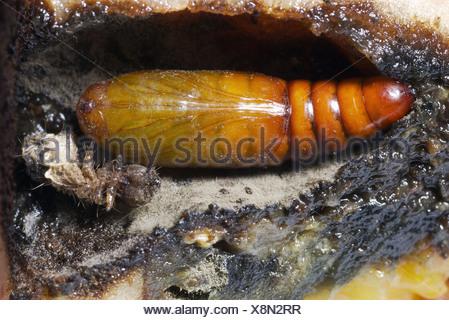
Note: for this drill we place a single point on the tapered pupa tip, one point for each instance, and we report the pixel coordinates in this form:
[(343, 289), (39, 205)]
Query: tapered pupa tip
[(386, 100)]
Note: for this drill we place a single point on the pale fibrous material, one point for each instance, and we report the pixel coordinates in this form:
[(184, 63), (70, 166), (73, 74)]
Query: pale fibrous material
[(55, 156)]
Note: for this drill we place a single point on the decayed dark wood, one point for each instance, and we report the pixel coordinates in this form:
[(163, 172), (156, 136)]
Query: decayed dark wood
[(7, 78)]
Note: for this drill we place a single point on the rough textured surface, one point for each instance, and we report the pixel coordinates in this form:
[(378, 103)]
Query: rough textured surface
[(7, 77), (270, 228)]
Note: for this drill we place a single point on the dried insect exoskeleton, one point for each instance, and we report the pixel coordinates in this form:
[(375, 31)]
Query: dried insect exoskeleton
[(56, 157)]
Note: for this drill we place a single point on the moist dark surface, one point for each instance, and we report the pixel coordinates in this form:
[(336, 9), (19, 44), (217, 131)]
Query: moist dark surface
[(7, 104)]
